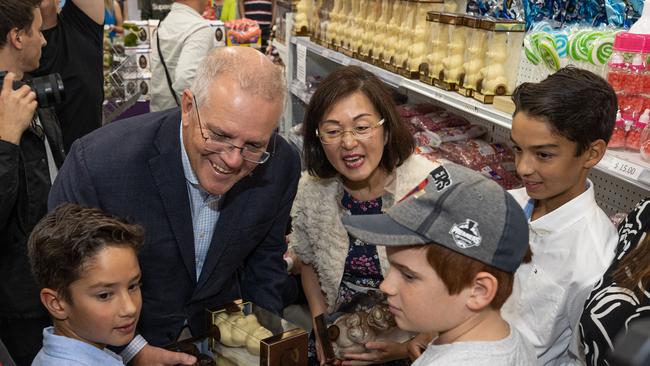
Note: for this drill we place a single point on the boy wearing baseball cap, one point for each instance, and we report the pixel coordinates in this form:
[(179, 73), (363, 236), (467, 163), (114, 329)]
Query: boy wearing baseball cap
[(454, 244)]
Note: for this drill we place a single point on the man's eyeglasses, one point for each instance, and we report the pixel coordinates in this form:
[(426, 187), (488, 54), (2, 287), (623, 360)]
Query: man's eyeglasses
[(219, 144), (333, 135)]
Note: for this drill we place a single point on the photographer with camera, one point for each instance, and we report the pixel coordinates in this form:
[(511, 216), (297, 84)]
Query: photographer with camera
[(30, 154)]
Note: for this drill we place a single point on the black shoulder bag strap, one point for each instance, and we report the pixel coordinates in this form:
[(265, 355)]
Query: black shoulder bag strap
[(162, 61)]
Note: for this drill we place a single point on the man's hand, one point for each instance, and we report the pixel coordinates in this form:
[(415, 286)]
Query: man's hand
[(379, 352), (155, 356), (17, 108)]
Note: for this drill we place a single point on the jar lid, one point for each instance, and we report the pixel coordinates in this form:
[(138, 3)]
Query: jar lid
[(471, 21), (502, 25), (629, 42), (451, 18), (433, 16)]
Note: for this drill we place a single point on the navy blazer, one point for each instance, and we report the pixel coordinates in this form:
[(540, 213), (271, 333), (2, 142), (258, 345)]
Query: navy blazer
[(133, 169)]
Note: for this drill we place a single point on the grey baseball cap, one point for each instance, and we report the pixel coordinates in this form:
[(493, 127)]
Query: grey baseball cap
[(457, 208)]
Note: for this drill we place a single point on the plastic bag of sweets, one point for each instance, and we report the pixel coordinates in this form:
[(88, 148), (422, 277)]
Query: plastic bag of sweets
[(504, 174), (623, 13), (504, 9), (407, 110), (475, 154)]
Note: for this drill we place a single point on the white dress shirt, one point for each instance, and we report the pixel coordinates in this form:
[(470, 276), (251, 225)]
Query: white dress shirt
[(572, 247), (185, 39)]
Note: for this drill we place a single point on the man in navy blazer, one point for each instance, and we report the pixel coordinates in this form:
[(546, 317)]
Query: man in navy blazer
[(211, 183)]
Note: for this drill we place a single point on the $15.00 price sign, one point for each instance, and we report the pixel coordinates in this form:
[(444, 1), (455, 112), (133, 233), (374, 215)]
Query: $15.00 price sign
[(625, 168)]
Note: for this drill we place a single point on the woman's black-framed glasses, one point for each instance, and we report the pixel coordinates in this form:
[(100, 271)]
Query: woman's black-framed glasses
[(219, 144)]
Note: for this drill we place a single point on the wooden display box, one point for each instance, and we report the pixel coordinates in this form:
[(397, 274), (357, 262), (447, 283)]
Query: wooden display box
[(486, 99), (445, 85), (465, 92), (281, 343)]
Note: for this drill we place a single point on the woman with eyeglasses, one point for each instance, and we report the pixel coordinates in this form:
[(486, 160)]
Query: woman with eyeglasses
[(359, 160)]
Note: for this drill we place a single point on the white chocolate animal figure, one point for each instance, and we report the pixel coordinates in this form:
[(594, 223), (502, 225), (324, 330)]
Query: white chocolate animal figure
[(451, 6), (380, 30), (357, 23), (238, 330), (453, 63), (494, 80), (366, 40), (474, 59), (335, 21), (344, 29), (418, 48), (406, 33), (392, 32), (303, 10)]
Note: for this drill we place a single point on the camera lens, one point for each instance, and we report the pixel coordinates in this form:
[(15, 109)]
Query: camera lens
[(49, 90)]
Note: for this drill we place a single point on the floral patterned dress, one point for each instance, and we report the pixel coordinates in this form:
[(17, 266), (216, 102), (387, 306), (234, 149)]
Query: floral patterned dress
[(362, 272)]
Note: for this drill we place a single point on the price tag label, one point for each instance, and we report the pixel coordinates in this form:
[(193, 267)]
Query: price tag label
[(326, 53), (625, 168), (301, 63)]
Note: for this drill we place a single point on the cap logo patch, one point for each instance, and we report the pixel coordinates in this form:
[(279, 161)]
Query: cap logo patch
[(466, 234), (441, 178)]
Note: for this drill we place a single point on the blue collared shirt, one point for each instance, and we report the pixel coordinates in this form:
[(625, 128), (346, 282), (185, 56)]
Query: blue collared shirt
[(63, 351), (205, 211)]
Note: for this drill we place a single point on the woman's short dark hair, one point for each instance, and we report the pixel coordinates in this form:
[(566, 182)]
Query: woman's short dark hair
[(16, 14), (68, 237), (338, 85), (576, 103)]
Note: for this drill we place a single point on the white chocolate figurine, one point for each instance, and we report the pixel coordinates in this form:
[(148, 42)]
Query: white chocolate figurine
[(303, 11), (406, 33), (374, 12), (494, 80), (360, 20), (335, 20), (453, 63), (381, 29), (474, 59), (418, 48), (392, 31), (238, 330)]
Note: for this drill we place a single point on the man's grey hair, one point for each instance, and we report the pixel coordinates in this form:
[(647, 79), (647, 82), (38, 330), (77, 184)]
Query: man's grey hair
[(255, 73)]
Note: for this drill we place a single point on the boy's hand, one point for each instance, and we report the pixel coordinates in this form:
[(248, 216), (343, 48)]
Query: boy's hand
[(17, 108), (418, 344), (380, 352), (155, 356)]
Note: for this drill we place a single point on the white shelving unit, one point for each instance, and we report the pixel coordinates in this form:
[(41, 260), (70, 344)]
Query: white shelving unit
[(621, 178)]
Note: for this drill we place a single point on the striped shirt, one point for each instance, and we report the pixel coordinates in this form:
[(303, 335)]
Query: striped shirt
[(259, 10)]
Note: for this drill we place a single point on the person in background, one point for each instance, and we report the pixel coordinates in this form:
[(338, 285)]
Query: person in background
[(560, 131), (262, 11), (211, 183), (453, 245), (358, 156), (113, 17), (124, 7), (31, 152), (622, 296), (155, 9), (75, 50), (86, 263), (181, 42)]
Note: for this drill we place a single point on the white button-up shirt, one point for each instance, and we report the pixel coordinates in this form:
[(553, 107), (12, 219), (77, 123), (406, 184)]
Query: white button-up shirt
[(185, 39), (572, 247)]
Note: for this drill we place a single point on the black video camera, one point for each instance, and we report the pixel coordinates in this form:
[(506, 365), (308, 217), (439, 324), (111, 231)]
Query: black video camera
[(49, 88)]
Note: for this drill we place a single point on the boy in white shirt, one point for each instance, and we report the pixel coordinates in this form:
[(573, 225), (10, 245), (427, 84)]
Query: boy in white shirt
[(453, 245), (560, 131)]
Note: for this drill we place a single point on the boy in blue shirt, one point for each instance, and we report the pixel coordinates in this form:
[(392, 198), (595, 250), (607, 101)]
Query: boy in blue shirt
[(560, 131), (87, 266)]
